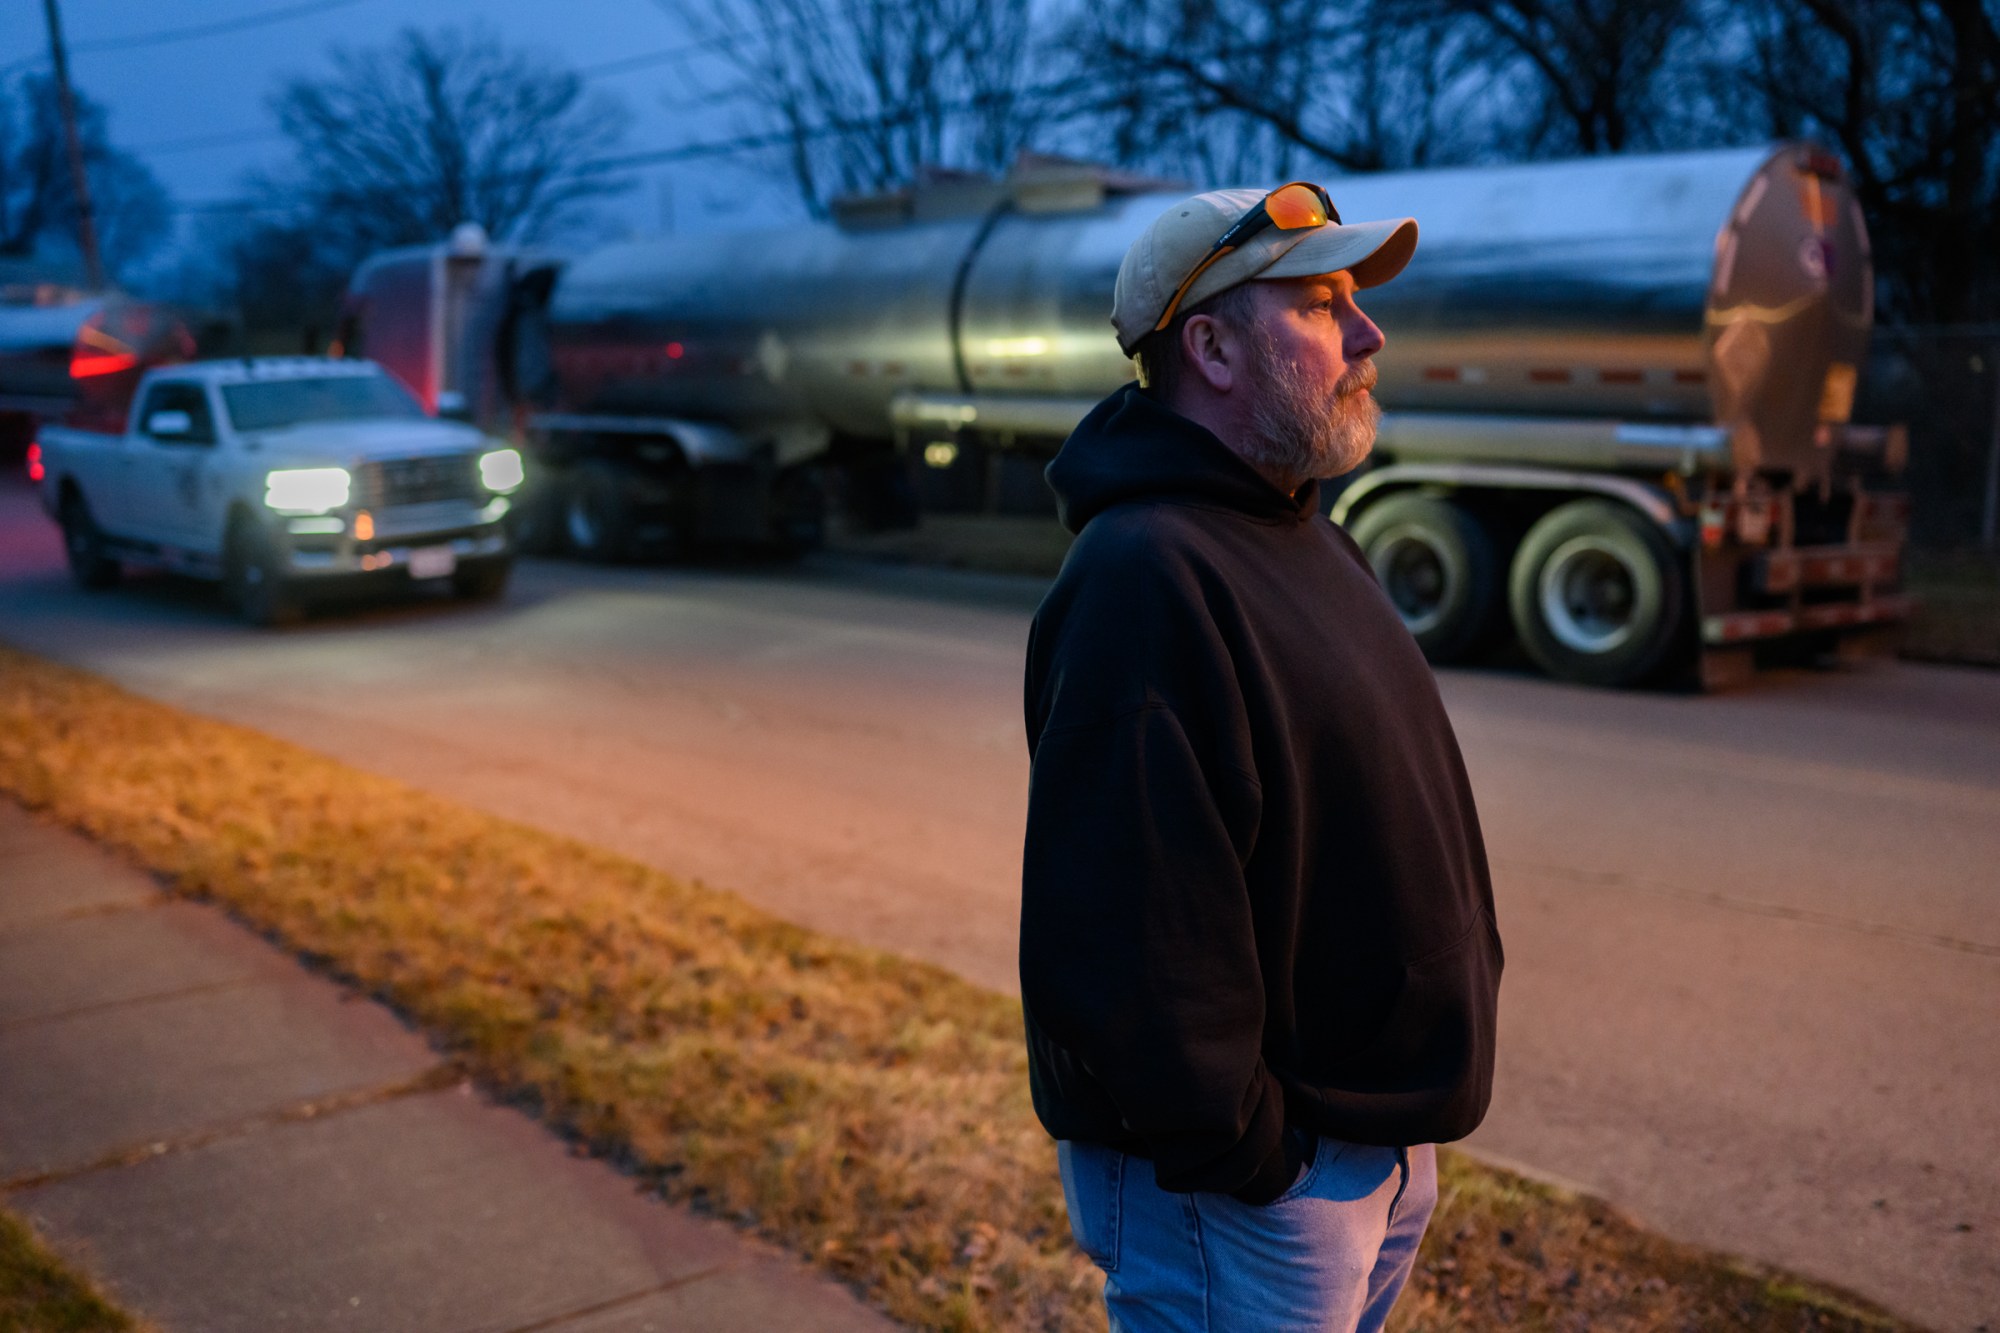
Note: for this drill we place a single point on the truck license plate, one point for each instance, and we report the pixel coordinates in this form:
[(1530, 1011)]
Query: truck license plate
[(432, 562)]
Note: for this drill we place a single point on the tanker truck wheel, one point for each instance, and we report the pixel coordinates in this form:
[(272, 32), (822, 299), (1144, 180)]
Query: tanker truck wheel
[(1597, 594), (540, 514), (1436, 563), (598, 517), (798, 513)]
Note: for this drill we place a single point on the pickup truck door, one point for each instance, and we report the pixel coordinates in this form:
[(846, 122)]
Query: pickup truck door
[(173, 480)]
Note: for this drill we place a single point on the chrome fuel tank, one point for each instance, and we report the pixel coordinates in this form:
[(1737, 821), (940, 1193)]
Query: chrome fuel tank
[(1728, 287)]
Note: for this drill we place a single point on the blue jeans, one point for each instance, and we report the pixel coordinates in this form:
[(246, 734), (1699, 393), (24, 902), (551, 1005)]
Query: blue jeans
[(1331, 1253)]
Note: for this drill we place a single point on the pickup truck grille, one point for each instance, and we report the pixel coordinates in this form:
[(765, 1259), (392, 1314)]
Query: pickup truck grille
[(409, 481)]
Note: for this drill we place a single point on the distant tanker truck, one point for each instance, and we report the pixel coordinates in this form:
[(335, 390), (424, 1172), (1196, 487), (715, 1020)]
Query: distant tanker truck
[(1618, 389)]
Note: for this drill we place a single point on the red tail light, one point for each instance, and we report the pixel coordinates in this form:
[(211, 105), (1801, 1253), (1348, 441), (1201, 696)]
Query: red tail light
[(83, 366), (35, 469)]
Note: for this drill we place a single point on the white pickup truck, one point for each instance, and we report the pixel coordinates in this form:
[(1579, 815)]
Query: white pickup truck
[(282, 475)]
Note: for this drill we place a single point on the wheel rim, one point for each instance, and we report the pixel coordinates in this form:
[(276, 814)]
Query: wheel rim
[(1589, 594), (249, 581), (1417, 577), (581, 524)]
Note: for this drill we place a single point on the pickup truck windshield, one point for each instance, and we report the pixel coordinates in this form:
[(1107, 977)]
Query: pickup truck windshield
[(288, 402)]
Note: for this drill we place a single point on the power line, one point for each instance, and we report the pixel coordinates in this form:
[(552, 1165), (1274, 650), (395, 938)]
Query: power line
[(622, 65), (742, 143), (195, 141), (165, 36), (626, 64)]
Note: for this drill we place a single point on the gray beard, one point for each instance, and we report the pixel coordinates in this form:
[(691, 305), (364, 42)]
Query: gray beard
[(1300, 428)]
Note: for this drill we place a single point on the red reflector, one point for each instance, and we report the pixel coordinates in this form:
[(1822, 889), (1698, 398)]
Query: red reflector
[(1442, 374)]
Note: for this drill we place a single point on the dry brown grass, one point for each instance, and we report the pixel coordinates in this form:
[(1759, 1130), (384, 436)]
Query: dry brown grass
[(869, 1112), (40, 1294)]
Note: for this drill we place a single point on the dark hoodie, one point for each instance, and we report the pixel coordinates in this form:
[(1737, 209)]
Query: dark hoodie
[(1254, 890)]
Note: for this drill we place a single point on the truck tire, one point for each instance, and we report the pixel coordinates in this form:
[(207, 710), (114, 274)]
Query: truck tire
[(1436, 563), (83, 542), (1597, 593), (798, 513), (598, 514), (254, 578), (482, 580)]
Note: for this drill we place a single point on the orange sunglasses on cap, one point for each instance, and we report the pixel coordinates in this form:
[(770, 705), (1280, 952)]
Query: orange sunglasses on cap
[(1288, 208)]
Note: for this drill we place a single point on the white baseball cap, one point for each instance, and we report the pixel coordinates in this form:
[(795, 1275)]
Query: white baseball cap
[(1182, 237)]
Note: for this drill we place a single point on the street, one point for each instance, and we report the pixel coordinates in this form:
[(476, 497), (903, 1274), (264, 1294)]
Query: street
[(1753, 940)]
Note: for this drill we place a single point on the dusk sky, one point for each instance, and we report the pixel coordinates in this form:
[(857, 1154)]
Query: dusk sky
[(193, 104)]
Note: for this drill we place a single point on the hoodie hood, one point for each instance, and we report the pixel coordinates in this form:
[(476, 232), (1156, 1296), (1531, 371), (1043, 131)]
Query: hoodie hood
[(1133, 447)]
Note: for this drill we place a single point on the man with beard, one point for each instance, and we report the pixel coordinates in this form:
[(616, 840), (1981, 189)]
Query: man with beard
[(1259, 960)]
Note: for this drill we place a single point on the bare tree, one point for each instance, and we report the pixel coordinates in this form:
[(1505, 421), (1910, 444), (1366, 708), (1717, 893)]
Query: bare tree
[(1250, 89), (872, 92), (403, 142), (1598, 76), (37, 195), (400, 144)]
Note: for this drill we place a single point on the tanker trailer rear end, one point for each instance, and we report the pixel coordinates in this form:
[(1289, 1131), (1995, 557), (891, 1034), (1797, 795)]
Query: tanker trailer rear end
[(1619, 395)]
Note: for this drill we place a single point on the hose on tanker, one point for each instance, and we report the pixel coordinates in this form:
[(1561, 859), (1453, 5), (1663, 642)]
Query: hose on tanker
[(960, 279)]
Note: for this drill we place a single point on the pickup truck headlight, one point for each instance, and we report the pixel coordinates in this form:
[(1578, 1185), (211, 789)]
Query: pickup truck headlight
[(307, 490), (501, 470)]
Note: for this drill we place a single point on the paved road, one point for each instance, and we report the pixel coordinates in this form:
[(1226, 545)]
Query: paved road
[(1753, 985)]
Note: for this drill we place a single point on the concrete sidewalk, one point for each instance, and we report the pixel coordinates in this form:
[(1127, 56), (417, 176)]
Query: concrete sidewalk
[(228, 1142)]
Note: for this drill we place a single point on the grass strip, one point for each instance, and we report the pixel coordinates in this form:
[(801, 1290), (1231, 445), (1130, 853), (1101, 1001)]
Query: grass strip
[(39, 1294), (869, 1112), (1958, 607)]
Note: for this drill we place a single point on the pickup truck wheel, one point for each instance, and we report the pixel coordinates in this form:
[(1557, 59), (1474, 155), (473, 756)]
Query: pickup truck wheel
[(597, 514), (482, 580), (1597, 594), (1436, 563), (254, 578), (83, 542)]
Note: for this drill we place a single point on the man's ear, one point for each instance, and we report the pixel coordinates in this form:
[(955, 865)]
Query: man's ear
[(1210, 352)]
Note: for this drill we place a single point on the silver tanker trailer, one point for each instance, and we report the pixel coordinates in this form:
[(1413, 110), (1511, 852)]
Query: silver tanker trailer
[(1618, 389)]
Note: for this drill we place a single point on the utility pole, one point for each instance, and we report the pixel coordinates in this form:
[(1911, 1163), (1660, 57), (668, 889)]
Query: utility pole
[(86, 218)]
